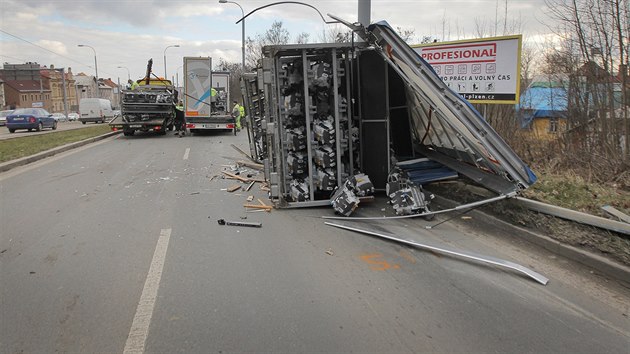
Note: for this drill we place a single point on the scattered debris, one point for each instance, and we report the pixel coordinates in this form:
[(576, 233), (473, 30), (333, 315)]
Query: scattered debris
[(250, 186), (239, 223), (329, 252), (255, 166), (405, 196), (250, 198), (193, 193), (347, 198), (466, 217), (262, 206), (234, 176)]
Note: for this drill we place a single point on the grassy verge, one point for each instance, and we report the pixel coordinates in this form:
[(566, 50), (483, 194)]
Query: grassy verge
[(571, 191), (15, 148)]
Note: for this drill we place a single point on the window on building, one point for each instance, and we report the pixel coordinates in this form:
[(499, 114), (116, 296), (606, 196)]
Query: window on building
[(553, 125)]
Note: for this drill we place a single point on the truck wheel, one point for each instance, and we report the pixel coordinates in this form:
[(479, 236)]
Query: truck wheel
[(128, 132), (84, 122)]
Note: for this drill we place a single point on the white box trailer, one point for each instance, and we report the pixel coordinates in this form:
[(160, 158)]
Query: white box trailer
[(206, 96)]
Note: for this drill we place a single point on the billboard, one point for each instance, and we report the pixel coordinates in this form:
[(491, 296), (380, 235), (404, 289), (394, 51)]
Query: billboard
[(481, 70)]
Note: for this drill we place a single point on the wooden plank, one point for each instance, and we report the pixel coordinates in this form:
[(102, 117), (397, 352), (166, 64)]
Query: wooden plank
[(616, 213), (235, 176), (253, 165), (256, 206), (234, 188)]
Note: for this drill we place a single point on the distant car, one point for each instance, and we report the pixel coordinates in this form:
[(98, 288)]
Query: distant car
[(60, 117), (73, 116), (31, 119), (3, 116)]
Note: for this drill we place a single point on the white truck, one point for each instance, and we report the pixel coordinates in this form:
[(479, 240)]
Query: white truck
[(206, 96)]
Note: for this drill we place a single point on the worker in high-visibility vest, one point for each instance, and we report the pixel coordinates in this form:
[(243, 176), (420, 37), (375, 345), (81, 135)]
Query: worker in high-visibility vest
[(132, 84), (180, 120), (242, 113), (236, 114)]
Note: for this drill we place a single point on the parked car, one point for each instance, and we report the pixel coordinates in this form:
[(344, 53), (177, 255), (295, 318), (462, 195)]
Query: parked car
[(60, 117), (31, 119), (73, 116), (3, 116)]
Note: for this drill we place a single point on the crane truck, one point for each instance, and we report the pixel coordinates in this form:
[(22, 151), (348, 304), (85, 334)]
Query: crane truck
[(150, 106)]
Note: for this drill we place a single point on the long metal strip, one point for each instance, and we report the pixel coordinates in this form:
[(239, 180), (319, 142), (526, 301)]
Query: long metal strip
[(476, 257), (459, 207)]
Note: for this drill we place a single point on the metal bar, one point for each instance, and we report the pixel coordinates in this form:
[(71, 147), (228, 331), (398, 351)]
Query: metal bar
[(459, 207), (309, 130), (616, 213), (337, 113), (577, 216), (467, 255), (239, 223)]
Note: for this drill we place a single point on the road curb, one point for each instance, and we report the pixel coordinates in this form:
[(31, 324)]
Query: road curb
[(601, 264), (6, 166)]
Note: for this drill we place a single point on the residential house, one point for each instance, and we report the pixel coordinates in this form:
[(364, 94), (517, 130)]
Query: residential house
[(543, 109), (62, 98), (85, 86), (27, 93), (3, 102), (112, 90)]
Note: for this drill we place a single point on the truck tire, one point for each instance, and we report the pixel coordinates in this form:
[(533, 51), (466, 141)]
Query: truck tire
[(128, 132), (84, 122)]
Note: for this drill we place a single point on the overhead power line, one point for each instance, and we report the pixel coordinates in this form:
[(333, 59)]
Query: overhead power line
[(46, 49)]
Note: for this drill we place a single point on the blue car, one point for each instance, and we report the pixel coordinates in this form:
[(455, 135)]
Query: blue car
[(31, 119)]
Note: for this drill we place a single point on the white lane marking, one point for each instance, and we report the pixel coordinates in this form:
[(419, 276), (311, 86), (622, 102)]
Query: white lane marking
[(186, 153), (141, 321)]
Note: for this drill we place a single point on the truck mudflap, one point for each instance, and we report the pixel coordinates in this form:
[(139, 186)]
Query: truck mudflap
[(446, 127)]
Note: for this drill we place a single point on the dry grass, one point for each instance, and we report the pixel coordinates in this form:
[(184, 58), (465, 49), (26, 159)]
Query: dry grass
[(15, 148)]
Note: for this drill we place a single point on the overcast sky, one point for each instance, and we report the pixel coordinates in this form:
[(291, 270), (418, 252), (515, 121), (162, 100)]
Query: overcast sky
[(129, 32)]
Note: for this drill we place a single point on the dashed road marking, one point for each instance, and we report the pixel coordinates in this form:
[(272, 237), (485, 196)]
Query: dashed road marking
[(141, 321), (186, 153)]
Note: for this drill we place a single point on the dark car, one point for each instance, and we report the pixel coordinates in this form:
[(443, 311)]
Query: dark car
[(31, 119)]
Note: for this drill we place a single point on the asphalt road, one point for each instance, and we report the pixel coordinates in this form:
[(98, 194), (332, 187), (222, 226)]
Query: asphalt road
[(115, 246)]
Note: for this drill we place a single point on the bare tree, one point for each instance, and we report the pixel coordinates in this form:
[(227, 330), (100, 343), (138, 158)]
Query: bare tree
[(336, 34), (302, 38), (276, 35), (407, 34), (594, 44)]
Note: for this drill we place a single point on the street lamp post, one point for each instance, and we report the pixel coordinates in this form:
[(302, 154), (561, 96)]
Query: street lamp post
[(98, 94), (128, 74), (242, 30), (170, 46)]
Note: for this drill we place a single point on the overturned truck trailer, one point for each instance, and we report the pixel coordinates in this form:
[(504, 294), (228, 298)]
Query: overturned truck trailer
[(334, 110)]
